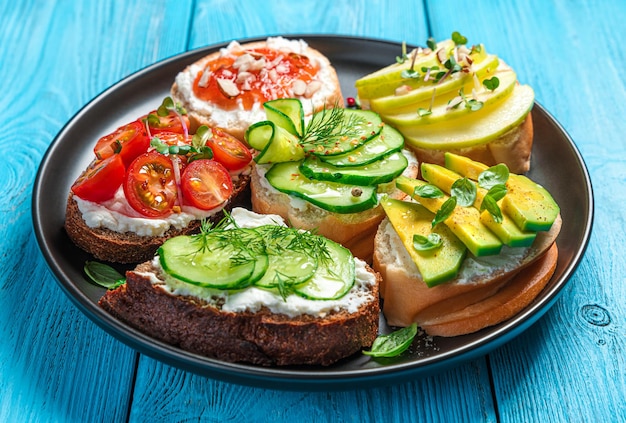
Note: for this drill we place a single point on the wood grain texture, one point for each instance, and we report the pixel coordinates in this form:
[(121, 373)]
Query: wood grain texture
[(563, 52), (56, 365)]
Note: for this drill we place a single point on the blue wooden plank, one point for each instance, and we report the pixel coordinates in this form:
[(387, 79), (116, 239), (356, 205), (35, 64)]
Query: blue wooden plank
[(456, 395), (56, 365), (570, 365)]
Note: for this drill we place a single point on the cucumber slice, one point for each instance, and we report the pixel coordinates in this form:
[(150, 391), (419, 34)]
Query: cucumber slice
[(332, 196), (276, 143), (388, 141), (355, 128), (334, 277), (378, 172), (291, 263), (219, 259), (286, 113)]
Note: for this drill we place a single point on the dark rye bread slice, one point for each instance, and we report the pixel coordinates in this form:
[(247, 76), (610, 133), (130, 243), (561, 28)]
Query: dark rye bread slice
[(261, 338), (128, 247)]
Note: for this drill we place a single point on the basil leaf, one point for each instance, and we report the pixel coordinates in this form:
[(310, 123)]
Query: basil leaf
[(104, 275), (445, 211), (428, 191), (497, 174), (465, 192), (423, 243), (393, 344), (497, 192), (490, 204)]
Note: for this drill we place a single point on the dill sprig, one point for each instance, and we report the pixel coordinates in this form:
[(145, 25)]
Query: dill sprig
[(328, 125)]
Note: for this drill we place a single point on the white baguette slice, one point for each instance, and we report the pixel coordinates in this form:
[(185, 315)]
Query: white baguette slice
[(323, 91), (479, 294)]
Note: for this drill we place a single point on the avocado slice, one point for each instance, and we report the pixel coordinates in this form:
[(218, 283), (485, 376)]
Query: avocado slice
[(464, 222), (508, 232), (436, 266), (529, 205)]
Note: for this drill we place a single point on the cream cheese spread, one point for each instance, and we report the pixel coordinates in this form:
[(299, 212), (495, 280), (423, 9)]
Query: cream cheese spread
[(252, 299)]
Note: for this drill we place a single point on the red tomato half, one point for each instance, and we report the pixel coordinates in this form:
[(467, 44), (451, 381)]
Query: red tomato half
[(101, 180), (206, 184), (150, 185), (170, 123), (228, 150), (129, 141)]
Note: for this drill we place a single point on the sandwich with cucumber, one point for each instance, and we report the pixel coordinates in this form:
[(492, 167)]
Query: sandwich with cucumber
[(250, 289), (328, 172), (473, 246)]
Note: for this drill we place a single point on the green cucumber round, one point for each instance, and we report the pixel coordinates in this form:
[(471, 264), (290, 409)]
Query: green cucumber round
[(332, 196), (378, 172)]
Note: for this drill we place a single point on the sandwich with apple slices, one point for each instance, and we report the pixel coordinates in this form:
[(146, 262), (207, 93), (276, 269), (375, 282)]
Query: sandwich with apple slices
[(150, 180), (252, 290), (327, 173), (475, 246), (227, 88), (451, 97)]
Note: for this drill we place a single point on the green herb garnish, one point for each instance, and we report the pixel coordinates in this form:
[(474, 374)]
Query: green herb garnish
[(444, 211), (104, 275), (497, 174), (423, 243), (428, 191), (403, 58), (490, 201), (393, 344), (465, 192), (458, 38), (492, 83)]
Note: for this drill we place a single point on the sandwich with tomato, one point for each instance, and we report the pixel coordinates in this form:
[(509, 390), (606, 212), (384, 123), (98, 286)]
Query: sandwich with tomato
[(152, 179)]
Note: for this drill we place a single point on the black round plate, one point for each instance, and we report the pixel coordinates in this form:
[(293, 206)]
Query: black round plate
[(556, 164)]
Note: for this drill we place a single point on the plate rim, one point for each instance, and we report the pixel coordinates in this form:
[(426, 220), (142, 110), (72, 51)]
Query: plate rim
[(276, 377)]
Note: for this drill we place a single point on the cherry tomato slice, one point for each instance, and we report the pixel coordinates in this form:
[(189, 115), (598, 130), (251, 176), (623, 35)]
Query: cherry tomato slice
[(129, 141), (206, 184), (228, 150), (150, 185), (170, 123), (100, 182)]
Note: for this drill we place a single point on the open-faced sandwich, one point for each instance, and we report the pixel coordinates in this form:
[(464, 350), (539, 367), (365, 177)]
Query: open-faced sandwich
[(150, 180), (327, 173), (253, 290), (227, 88), (450, 97), (475, 247)]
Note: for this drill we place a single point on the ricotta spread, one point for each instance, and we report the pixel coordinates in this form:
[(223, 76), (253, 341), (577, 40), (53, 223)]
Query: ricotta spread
[(252, 299)]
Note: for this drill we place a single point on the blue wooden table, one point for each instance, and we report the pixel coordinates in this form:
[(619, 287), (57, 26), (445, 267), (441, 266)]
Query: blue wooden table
[(57, 365)]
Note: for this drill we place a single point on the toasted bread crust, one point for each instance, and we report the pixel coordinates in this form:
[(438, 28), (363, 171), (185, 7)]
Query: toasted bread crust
[(407, 299), (260, 338), (128, 247), (238, 127), (512, 148)]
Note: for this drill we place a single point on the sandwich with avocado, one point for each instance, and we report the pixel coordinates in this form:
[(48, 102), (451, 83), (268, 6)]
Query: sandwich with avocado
[(473, 247)]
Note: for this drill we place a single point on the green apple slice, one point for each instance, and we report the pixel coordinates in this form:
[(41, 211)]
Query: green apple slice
[(454, 82), (385, 81), (476, 128), (441, 110)]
